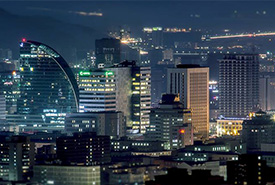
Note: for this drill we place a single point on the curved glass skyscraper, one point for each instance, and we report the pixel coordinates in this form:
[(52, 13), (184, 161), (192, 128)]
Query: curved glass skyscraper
[(48, 87)]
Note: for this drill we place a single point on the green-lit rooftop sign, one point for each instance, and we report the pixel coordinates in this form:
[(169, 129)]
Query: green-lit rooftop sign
[(108, 73), (84, 73), (157, 28)]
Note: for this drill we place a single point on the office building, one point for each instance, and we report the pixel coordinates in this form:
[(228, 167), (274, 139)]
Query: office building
[(97, 91), (152, 38), (232, 127), (267, 92), (190, 82), (9, 87), (67, 175), (171, 123), (5, 54), (103, 123), (238, 84), (83, 149), (91, 59), (2, 109), (47, 85), (259, 130), (123, 80), (141, 98), (32, 123), (107, 52), (214, 100), (16, 158), (125, 144), (124, 87)]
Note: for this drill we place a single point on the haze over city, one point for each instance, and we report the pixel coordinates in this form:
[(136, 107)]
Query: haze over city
[(137, 92)]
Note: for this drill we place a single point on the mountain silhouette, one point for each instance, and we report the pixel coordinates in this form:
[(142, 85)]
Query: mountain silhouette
[(64, 37)]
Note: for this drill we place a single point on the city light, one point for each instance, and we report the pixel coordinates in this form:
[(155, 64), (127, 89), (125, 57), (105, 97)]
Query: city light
[(238, 36), (182, 131), (84, 73), (150, 93)]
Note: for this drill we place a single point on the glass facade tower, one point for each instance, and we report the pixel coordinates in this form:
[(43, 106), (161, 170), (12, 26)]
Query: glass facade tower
[(47, 85)]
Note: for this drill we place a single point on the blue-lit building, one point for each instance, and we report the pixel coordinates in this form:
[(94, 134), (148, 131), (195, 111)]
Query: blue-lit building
[(48, 88)]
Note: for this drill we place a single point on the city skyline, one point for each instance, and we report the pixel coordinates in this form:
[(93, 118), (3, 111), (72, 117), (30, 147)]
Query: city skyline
[(137, 92)]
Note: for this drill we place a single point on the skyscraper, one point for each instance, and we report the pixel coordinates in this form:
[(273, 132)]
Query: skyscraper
[(124, 87), (9, 85), (47, 85), (267, 92), (238, 84), (2, 109), (190, 82), (153, 38), (97, 91), (107, 51)]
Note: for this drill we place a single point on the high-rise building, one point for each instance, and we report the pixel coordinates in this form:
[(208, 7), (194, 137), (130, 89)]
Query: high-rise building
[(91, 59), (214, 100), (83, 148), (103, 123), (152, 38), (2, 109), (5, 54), (47, 86), (107, 51), (267, 92), (16, 158), (171, 123), (141, 98), (238, 84), (190, 82), (97, 91), (9, 88), (124, 87)]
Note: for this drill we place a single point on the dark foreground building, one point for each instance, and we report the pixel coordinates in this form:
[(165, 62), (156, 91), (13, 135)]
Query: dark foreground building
[(83, 149), (180, 177), (249, 169), (16, 158)]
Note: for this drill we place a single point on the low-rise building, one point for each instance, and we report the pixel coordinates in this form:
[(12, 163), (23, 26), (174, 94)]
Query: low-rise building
[(67, 175), (125, 144), (260, 129), (229, 126), (16, 158), (103, 123), (83, 148)]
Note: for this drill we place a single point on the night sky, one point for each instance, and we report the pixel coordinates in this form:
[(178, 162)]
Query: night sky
[(60, 24)]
